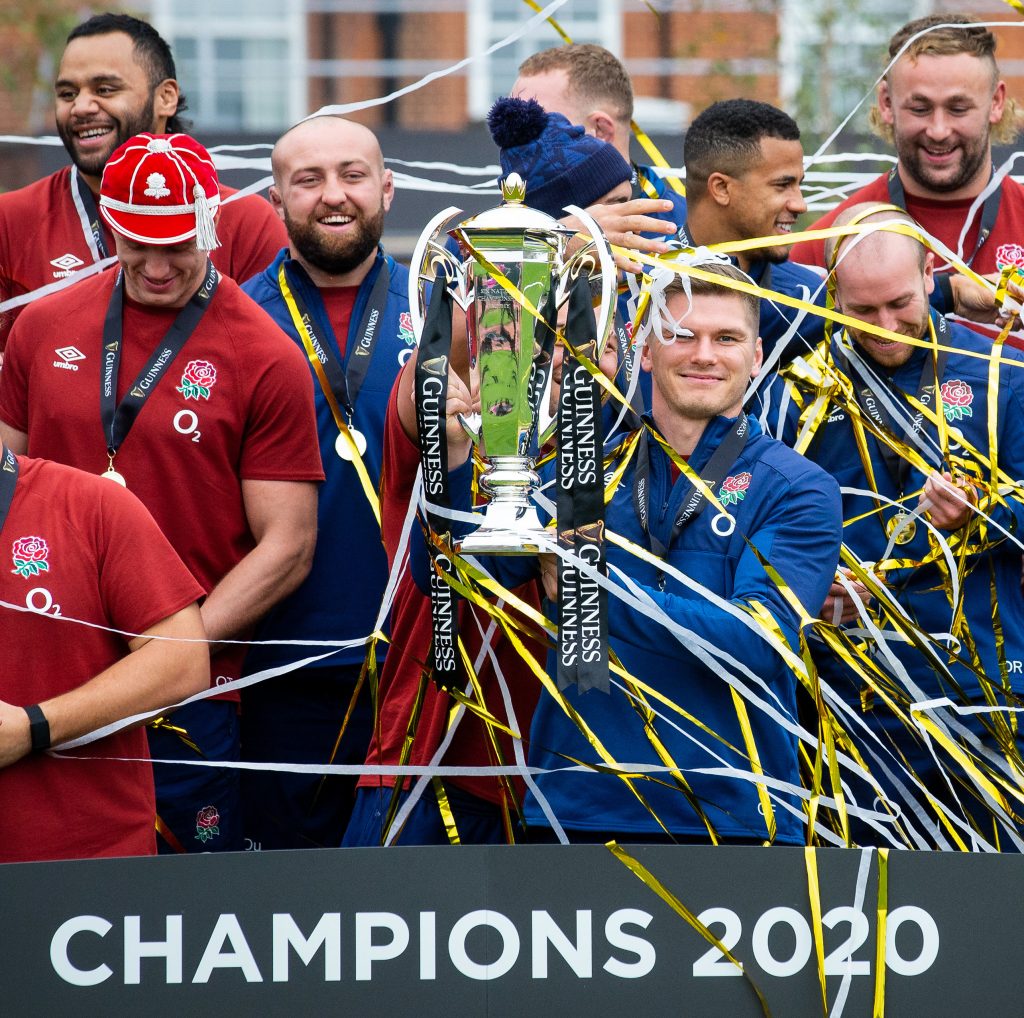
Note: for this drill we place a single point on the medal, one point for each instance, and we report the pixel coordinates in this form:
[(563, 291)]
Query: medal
[(344, 449), (909, 528), (112, 475), (340, 381)]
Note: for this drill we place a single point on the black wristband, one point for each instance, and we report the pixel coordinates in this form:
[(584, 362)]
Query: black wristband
[(38, 727)]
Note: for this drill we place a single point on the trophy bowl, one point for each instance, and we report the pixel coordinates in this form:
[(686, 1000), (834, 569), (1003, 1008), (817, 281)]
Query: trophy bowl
[(510, 269)]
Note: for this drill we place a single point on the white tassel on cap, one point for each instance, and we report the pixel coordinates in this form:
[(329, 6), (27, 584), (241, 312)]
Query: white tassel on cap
[(206, 232)]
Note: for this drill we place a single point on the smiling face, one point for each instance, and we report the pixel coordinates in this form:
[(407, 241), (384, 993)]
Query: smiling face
[(882, 282), (941, 110), (701, 368), (332, 191), (104, 97), (160, 275), (765, 200)]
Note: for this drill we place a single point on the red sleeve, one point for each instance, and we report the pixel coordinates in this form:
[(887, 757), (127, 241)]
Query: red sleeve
[(251, 234), (281, 441), (14, 382), (142, 580)]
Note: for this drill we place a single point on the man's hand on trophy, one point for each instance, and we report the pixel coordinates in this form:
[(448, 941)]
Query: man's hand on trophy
[(623, 222), (549, 576), (462, 401)]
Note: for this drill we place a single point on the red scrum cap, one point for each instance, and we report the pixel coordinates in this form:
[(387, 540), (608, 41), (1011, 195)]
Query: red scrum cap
[(161, 189)]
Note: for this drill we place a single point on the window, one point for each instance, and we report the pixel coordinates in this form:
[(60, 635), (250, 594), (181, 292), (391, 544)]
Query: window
[(239, 73), (489, 21)]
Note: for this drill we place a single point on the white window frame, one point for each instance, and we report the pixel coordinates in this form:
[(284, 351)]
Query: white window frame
[(222, 23)]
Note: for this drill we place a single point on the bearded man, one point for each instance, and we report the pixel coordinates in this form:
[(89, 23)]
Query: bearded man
[(345, 302), (116, 79)]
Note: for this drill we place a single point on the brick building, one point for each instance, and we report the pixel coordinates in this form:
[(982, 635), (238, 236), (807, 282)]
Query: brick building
[(253, 75)]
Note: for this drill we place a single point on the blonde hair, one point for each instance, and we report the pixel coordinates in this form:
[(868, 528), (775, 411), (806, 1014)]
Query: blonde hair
[(973, 39)]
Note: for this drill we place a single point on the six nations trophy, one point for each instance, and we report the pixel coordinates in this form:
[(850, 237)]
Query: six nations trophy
[(517, 274), (505, 249)]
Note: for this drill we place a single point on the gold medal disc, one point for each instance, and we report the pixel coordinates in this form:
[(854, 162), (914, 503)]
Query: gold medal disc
[(906, 535)]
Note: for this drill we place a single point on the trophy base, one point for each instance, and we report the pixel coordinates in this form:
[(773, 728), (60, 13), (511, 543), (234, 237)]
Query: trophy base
[(506, 530)]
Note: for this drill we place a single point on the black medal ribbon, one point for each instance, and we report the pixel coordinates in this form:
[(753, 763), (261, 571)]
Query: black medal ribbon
[(627, 368), (989, 210), (694, 502), (346, 380), (870, 403), (8, 482), (118, 418), (431, 380), (582, 601), (92, 215)]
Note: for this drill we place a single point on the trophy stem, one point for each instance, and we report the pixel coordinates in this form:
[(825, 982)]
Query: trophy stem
[(510, 523)]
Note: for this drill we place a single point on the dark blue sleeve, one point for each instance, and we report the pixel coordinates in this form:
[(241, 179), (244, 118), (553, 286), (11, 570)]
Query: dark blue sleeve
[(941, 298), (1010, 455), (800, 538)]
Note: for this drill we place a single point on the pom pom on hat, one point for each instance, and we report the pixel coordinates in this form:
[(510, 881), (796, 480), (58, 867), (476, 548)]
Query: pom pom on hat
[(161, 189), (559, 162), (515, 121)]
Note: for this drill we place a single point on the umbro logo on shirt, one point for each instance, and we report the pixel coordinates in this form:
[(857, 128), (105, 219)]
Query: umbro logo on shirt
[(65, 265), (68, 355)]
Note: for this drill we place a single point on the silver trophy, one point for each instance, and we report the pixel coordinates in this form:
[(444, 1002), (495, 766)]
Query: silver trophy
[(510, 244)]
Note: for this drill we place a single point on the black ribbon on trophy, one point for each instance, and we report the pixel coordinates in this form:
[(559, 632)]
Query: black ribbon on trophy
[(513, 267), (583, 602), (432, 362)]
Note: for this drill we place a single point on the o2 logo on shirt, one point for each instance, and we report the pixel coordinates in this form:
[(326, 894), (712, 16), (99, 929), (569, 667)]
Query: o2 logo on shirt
[(40, 600), (186, 422)]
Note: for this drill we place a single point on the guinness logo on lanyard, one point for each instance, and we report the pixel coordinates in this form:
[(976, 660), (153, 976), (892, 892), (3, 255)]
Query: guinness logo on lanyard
[(118, 418), (8, 481), (872, 394), (341, 384)]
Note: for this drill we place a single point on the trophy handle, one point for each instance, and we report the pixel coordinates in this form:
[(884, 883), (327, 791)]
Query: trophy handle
[(472, 425), (606, 313), (418, 255), (609, 275)]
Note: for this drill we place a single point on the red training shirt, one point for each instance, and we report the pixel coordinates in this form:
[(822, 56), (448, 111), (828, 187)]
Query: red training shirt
[(83, 549)]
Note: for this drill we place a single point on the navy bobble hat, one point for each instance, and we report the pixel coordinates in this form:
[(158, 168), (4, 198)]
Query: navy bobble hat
[(559, 162)]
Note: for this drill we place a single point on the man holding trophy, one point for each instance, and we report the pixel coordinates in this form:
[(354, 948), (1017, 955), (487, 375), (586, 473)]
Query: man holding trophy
[(681, 744), (703, 710), (425, 679)]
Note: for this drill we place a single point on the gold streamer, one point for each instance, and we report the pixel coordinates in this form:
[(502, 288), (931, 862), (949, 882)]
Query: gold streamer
[(651, 882), (881, 913)]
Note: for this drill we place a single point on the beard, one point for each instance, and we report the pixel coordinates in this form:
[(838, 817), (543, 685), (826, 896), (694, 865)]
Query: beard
[(131, 124), (775, 255), (336, 255), (973, 154)]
